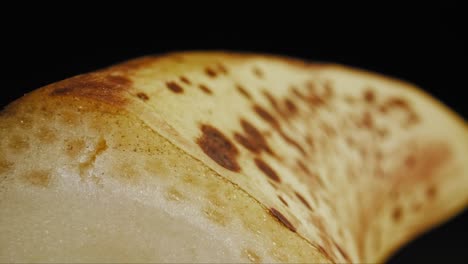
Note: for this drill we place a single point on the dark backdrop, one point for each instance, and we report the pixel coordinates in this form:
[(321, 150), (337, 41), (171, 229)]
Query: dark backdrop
[(424, 47)]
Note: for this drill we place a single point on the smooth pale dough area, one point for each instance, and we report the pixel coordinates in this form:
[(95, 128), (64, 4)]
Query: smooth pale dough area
[(108, 229)]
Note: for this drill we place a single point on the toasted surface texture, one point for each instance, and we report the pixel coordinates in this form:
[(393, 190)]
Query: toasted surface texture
[(221, 157)]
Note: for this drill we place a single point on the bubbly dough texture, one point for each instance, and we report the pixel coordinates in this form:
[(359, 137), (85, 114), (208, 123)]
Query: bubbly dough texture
[(222, 157)]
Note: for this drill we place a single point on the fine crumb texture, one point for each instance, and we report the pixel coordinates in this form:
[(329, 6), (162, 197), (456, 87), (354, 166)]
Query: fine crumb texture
[(224, 157)]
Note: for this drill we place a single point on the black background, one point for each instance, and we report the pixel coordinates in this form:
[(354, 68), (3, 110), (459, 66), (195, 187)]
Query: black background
[(425, 47)]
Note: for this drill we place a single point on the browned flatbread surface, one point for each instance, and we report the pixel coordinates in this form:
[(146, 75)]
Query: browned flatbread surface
[(224, 157)]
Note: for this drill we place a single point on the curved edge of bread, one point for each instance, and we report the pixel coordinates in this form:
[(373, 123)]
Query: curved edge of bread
[(454, 116), (294, 62), (450, 113)]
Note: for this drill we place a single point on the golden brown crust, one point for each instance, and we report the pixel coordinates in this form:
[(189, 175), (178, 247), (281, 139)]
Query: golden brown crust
[(114, 80)]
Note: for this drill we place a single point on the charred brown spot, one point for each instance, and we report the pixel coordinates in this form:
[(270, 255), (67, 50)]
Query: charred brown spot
[(303, 167), (397, 214), (369, 96), (210, 72), (253, 139), (431, 192), (97, 86), (412, 119), (297, 93), (282, 200), (394, 102), (273, 102), (143, 96), (324, 252), (328, 89), (282, 219), (243, 92), (303, 200), (118, 80), (315, 100), (310, 141), (250, 130), (205, 89), (398, 102), (290, 106), (246, 142), (265, 115), (366, 122), (292, 142), (185, 80), (219, 148), (342, 252), (258, 72), (267, 170), (312, 98), (285, 111), (222, 68), (175, 87)]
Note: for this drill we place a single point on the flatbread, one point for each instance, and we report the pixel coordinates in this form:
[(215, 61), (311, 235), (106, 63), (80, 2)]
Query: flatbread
[(224, 157)]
